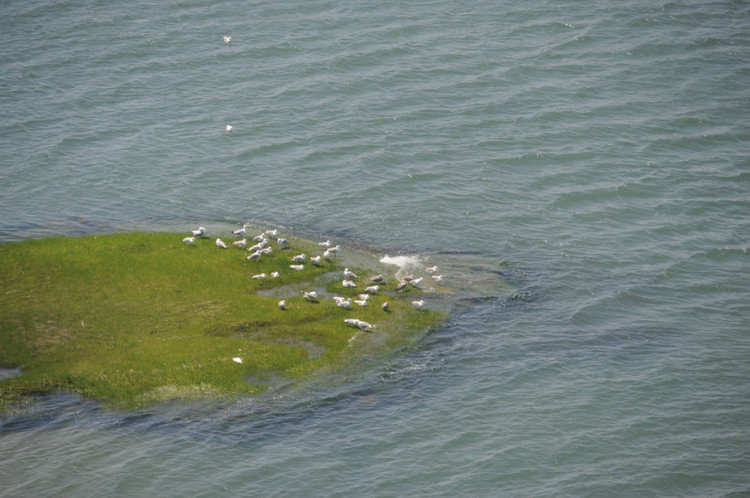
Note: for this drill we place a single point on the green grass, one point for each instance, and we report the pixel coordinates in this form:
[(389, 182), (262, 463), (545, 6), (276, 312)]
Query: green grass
[(135, 319)]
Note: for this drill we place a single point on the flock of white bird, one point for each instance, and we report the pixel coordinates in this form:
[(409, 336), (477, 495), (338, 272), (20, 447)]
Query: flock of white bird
[(262, 247)]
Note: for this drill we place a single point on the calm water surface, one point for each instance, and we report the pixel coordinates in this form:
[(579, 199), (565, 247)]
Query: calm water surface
[(580, 170)]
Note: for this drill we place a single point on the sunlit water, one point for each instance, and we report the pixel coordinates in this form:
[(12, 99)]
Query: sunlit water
[(580, 169)]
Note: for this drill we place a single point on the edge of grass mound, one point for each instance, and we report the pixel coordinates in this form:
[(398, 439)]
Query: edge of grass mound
[(135, 319)]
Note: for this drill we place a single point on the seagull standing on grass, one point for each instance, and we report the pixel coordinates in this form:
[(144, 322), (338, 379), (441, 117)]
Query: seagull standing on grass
[(188, 240), (417, 304), (253, 256), (349, 273), (240, 243), (220, 243), (310, 295), (200, 232), (282, 304), (348, 283)]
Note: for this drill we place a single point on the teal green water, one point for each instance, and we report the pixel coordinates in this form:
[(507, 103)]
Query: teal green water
[(580, 170)]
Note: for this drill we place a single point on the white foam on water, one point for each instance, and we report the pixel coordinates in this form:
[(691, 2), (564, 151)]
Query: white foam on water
[(401, 261)]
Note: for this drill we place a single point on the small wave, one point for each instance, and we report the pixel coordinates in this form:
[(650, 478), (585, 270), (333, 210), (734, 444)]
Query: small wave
[(402, 262)]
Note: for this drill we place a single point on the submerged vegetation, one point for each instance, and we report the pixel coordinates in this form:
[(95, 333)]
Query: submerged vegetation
[(134, 319)]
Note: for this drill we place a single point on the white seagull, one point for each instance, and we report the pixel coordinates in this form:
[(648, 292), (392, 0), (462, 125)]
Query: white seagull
[(298, 258), (310, 295), (200, 232), (259, 238), (431, 269), (259, 276), (326, 244), (220, 243), (266, 250), (384, 306), (361, 302), (364, 296), (240, 231), (229, 128), (275, 274), (316, 260), (297, 267), (282, 241), (437, 278), (349, 273), (188, 240), (282, 304), (237, 359), (240, 243), (373, 289), (417, 304), (254, 255), (348, 283), (347, 303), (272, 233), (227, 39)]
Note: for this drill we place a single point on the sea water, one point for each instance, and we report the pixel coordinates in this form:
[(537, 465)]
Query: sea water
[(580, 171)]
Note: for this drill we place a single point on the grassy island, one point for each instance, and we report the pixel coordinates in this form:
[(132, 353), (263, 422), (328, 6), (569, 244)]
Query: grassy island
[(135, 319)]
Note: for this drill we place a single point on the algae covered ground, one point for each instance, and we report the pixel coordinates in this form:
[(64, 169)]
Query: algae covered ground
[(134, 319)]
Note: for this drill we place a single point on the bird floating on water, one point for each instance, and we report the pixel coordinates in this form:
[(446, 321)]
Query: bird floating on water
[(220, 243), (188, 240), (349, 273), (227, 39), (437, 278), (229, 128), (431, 269)]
